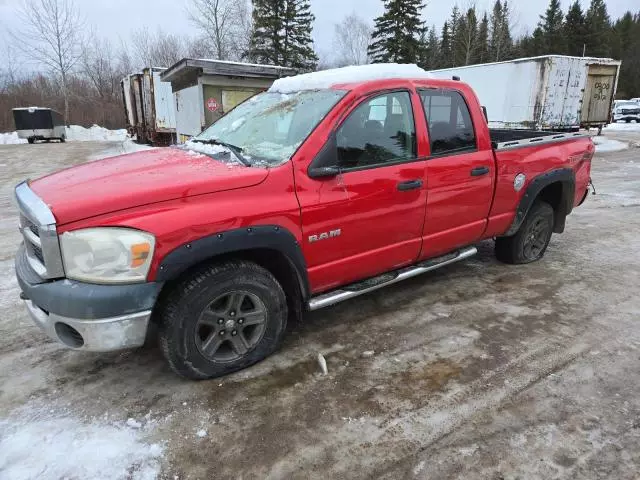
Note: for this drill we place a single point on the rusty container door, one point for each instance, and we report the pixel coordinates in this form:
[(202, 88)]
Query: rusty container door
[(598, 94)]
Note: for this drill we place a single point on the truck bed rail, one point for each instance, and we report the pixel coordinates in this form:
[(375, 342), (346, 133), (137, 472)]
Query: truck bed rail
[(511, 139)]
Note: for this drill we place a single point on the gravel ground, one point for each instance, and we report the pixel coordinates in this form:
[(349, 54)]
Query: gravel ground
[(479, 370)]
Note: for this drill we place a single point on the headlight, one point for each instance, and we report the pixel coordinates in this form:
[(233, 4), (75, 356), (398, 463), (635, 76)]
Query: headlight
[(107, 255)]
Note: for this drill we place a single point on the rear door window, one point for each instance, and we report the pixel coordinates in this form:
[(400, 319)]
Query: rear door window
[(449, 121)]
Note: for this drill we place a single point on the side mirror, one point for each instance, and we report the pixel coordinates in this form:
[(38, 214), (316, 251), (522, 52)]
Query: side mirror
[(323, 172), (326, 163)]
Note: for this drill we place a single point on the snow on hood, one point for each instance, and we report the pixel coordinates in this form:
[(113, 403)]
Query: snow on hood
[(355, 73)]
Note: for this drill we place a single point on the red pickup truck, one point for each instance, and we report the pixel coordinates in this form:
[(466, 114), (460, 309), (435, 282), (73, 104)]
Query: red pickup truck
[(293, 201)]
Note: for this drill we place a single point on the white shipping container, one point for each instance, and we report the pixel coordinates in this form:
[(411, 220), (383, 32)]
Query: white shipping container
[(128, 101), (159, 112), (551, 92), (189, 112)]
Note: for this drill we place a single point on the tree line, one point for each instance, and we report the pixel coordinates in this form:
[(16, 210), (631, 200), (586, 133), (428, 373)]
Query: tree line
[(79, 73), (470, 37)]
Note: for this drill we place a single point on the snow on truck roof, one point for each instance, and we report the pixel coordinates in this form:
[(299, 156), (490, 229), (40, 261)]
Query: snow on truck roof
[(353, 74)]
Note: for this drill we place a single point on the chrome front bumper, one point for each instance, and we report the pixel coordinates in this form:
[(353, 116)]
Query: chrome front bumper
[(102, 335)]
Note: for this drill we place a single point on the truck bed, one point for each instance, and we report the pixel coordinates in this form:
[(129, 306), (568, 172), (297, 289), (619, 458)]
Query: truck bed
[(504, 138)]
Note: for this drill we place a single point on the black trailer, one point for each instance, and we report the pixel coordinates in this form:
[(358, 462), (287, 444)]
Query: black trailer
[(34, 123)]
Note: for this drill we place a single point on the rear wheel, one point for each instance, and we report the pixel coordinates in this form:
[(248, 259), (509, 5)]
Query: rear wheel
[(31, 140), (221, 319), (532, 239)]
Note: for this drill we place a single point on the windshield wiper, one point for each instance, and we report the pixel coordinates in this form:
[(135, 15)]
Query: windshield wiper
[(237, 151)]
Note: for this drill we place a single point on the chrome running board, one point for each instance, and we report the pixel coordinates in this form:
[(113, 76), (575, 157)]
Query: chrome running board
[(371, 284)]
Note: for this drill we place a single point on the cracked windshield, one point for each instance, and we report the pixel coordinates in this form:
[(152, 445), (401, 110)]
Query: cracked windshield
[(268, 128)]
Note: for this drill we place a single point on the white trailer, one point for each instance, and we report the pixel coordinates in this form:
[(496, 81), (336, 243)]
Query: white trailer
[(148, 105), (551, 92), (158, 108)]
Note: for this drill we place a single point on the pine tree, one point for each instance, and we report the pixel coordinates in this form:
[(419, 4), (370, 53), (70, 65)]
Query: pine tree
[(482, 40), (454, 21), (623, 35), (500, 40), (298, 44), (433, 49), (598, 30), (282, 34), (423, 59), (574, 30), (627, 29), (507, 39), (445, 56), (551, 25), (465, 38), (396, 35)]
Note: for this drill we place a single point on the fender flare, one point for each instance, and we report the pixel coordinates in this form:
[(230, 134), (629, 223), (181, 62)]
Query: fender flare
[(567, 177), (271, 237)]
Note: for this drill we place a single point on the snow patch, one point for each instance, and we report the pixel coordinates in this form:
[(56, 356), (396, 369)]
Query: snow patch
[(622, 127), (201, 433), (128, 146), (11, 138), (355, 73), (604, 144), (68, 448), (76, 133)]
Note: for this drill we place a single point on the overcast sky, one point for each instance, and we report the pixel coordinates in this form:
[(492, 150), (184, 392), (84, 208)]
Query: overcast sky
[(117, 18)]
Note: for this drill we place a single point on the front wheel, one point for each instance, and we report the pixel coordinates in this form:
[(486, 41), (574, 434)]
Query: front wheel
[(63, 139), (222, 318), (531, 240), (31, 140)]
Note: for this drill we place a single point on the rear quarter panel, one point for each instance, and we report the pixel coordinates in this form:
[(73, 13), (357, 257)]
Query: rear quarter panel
[(534, 161)]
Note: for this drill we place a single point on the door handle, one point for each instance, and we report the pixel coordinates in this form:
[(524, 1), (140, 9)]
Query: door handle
[(478, 171), (409, 185)]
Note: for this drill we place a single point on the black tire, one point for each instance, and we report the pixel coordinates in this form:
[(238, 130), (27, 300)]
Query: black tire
[(63, 139), (187, 331), (532, 239), (628, 120), (31, 141)]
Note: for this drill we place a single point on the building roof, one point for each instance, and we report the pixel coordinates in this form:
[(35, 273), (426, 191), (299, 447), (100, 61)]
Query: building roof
[(190, 68)]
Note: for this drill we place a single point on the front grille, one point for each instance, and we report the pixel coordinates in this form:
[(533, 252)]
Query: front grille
[(37, 252), (38, 228)]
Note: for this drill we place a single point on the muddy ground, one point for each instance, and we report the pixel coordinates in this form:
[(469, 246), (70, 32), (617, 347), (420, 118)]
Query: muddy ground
[(481, 370)]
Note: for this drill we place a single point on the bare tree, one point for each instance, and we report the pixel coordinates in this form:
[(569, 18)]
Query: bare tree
[(97, 66), (158, 50), (52, 37), (225, 24), (351, 41)]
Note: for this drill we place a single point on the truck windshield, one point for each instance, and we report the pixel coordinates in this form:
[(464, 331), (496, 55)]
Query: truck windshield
[(269, 127)]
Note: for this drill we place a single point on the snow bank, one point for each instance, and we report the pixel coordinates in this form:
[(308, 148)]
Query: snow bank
[(623, 127), (604, 144), (356, 73), (128, 146), (10, 139), (76, 133), (68, 448)]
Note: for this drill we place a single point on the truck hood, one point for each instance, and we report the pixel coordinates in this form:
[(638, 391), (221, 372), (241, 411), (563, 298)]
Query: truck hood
[(136, 179)]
